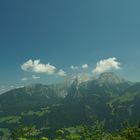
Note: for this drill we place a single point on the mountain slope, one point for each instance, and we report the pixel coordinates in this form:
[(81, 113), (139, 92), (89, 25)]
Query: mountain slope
[(108, 98)]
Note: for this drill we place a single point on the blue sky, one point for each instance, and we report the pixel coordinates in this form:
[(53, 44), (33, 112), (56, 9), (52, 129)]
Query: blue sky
[(65, 33)]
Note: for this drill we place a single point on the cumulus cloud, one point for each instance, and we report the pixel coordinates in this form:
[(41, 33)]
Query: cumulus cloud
[(35, 77), (74, 67), (27, 65), (36, 66), (61, 73), (84, 66), (24, 79), (106, 65)]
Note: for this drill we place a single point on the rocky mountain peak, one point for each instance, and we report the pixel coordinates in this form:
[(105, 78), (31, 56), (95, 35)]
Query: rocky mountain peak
[(110, 78)]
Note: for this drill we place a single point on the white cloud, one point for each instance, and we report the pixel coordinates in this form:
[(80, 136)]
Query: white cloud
[(74, 67), (37, 67), (61, 73), (27, 65), (106, 65), (35, 77), (84, 66), (24, 79)]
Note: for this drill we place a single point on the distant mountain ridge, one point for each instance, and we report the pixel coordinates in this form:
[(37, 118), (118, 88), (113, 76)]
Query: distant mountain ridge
[(110, 78), (108, 98)]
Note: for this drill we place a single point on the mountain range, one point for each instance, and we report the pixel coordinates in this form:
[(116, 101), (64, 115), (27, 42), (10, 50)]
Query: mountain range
[(108, 98)]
